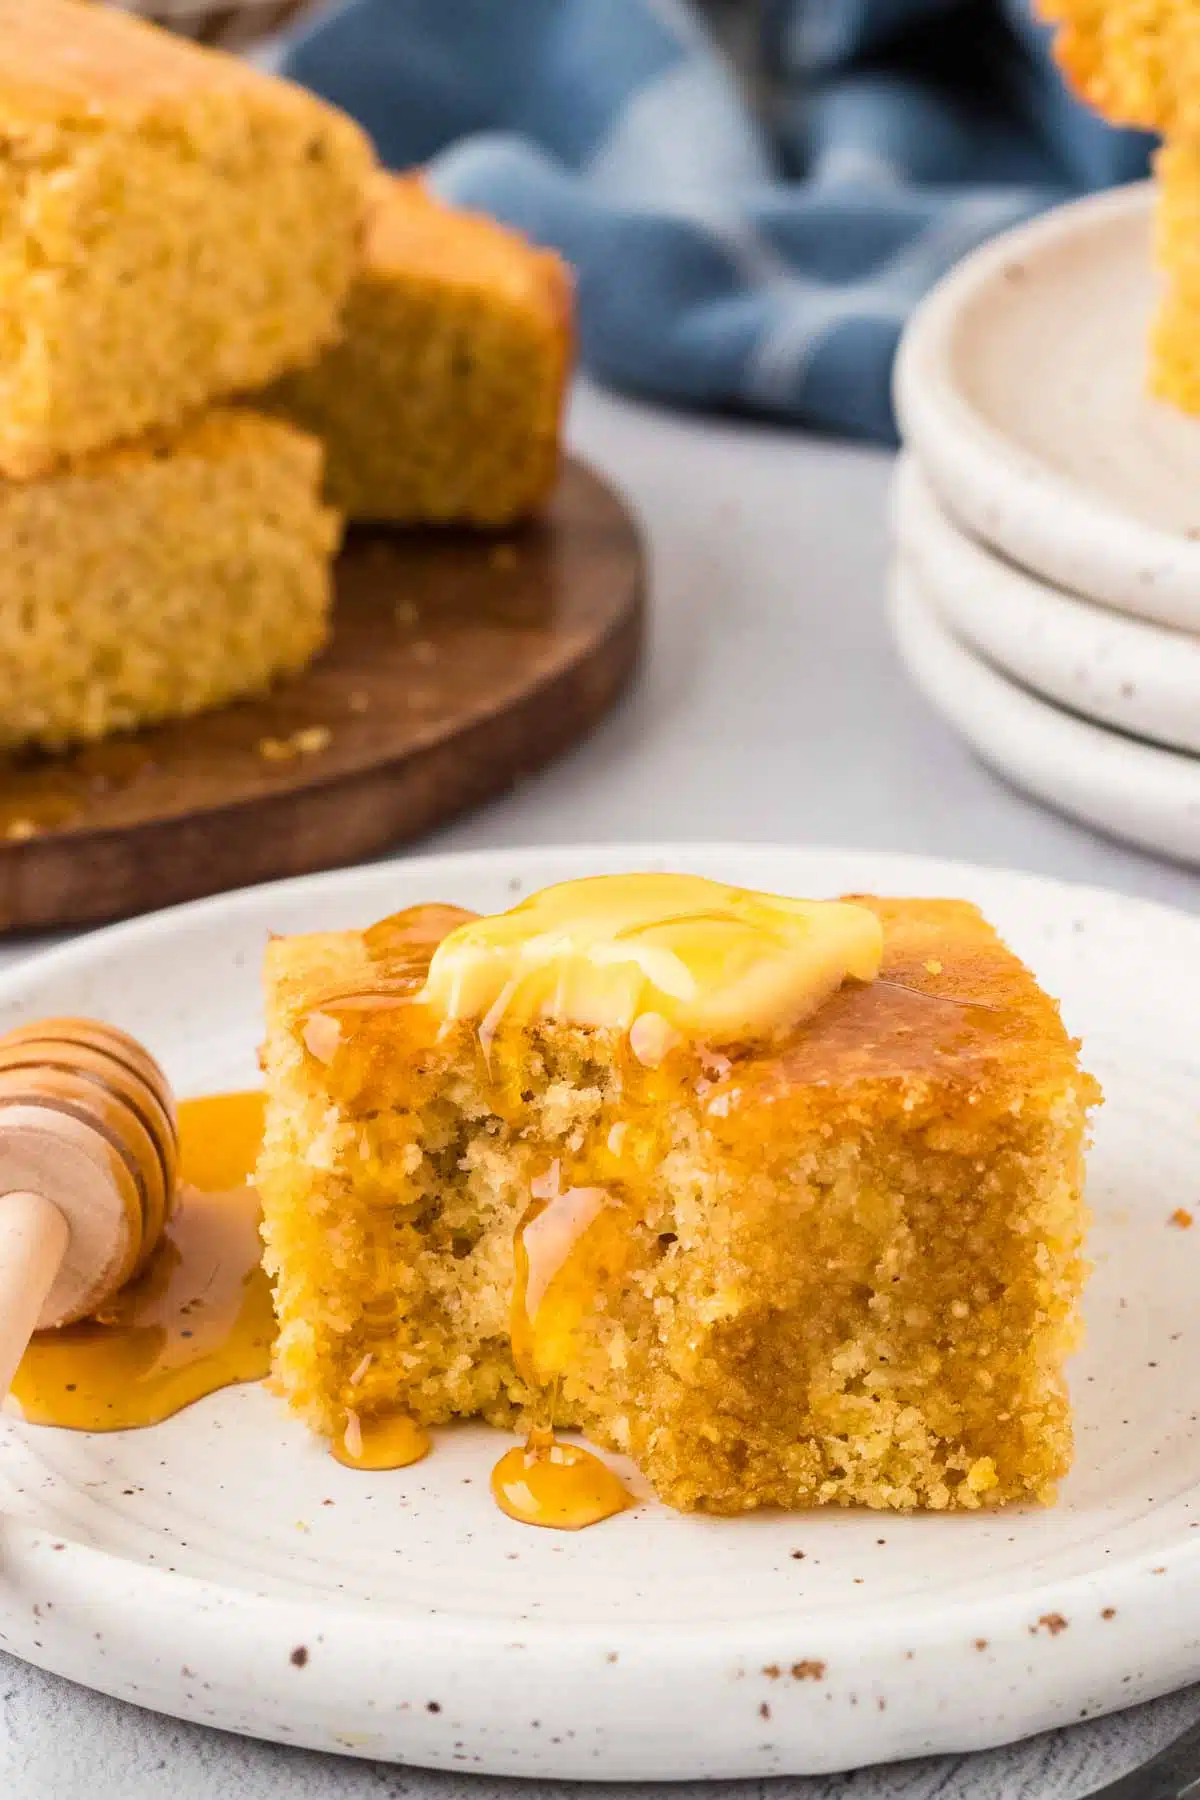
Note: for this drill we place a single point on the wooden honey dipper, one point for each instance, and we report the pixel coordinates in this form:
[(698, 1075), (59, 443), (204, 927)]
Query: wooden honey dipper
[(89, 1162)]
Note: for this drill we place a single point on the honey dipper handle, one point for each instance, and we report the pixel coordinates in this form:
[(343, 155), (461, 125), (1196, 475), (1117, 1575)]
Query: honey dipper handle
[(33, 1241)]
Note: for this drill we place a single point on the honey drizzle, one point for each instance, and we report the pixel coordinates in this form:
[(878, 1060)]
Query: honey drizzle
[(40, 793), (383, 1441), (567, 1243), (199, 1318), (562, 1487)]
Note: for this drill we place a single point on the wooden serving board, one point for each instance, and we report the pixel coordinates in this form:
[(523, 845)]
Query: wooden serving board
[(459, 662)]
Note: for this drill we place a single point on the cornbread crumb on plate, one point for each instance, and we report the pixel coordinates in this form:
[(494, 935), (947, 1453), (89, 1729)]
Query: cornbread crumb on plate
[(839, 1267), (174, 227), (442, 400), (161, 578)]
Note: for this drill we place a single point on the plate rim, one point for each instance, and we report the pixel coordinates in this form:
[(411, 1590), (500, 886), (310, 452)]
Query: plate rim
[(1066, 535), (957, 572), (1151, 816)]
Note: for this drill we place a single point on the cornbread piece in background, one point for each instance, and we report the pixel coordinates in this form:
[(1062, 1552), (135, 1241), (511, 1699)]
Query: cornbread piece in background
[(174, 226), (1135, 61), (1175, 336), (841, 1267), (443, 399), (160, 578)]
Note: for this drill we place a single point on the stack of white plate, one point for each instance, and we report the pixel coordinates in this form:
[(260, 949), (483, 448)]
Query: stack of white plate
[(1046, 580)]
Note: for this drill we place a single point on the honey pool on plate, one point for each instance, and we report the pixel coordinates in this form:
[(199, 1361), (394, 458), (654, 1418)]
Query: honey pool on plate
[(200, 1318)]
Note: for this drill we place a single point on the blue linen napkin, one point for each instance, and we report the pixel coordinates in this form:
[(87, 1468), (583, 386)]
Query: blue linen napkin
[(728, 255)]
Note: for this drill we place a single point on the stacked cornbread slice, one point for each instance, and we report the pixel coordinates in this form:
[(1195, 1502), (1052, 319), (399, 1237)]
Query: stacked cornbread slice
[(174, 229), (442, 399), (1138, 62)]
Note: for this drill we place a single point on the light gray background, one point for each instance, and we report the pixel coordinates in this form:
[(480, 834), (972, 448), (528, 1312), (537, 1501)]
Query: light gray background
[(771, 708)]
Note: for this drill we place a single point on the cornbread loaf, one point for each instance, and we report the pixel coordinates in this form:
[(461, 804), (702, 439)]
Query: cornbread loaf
[(174, 227), (443, 398), (157, 579), (838, 1266)]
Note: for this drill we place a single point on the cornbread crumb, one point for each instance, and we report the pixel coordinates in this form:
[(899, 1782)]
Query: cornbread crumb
[(309, 741), (174, 227), (1182, 1218), (854, 1282), (161, 578), (442, 400)]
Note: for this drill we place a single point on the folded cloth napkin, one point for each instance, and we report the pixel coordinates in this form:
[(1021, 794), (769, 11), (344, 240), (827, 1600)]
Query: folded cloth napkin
[(731, 254)]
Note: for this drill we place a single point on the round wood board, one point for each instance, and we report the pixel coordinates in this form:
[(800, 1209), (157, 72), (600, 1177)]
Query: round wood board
[(459, 662)]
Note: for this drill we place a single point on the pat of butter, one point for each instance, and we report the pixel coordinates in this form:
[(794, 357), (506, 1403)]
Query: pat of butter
[(713, 962)]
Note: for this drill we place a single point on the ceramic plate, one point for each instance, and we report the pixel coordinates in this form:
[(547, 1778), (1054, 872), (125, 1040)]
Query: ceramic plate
[(1021, 386), (1135, 791), (1140, 677), (184, 1567)]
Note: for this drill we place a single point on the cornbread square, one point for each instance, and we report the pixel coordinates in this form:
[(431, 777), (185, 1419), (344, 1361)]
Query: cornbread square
[(160, 578), (442, 400), (1136, 61), (839, 1267), (174, 226)]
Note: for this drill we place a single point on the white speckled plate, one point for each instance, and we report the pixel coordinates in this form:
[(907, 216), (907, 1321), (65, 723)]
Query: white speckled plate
[(1021, 387), (186, 1567), (1142, 678), (1130, 789)]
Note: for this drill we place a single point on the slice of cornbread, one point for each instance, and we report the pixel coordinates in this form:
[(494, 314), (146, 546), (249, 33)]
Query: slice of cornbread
[(443, 398), (161, 578), (1136, 61), (174, 226), (839, 1264)]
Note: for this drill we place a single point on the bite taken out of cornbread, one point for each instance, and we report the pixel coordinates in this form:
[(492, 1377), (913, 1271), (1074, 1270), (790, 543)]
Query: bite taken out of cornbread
[(781, 1198), (174, 227), (442, 400), (160, 578)]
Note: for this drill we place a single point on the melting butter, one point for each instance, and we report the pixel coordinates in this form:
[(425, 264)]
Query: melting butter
[(691, 956)]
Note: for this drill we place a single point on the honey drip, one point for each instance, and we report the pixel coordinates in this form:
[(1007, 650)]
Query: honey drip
[(199, 1318), (40, 793), (567, 1245), (385, 1441), (560, 1486)]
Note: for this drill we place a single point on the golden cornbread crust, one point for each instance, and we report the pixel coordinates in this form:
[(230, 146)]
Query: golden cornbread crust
[(174, 227), (158, 579), (442, 401), (843, 1268)]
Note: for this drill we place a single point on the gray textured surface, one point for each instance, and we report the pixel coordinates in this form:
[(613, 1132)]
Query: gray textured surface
[(771, 709)]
